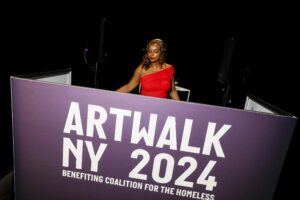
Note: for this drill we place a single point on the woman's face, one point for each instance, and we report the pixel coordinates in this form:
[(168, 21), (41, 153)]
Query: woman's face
[(154, 52)]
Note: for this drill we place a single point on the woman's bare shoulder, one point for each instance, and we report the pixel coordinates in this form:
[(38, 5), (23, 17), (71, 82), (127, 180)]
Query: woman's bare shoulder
[(166, 65), (139, 68)]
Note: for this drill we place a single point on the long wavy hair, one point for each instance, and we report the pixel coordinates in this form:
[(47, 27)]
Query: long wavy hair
[(163, 50)]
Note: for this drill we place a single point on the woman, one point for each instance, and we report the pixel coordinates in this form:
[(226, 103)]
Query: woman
[(154, 75)]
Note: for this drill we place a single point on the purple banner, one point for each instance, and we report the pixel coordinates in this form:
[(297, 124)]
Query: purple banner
[(82, 143)]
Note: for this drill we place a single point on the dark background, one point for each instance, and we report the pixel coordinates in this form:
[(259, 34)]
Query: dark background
[(263, 59)]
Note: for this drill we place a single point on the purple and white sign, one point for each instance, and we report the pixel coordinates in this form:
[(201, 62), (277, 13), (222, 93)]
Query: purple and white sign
[(82, 143)]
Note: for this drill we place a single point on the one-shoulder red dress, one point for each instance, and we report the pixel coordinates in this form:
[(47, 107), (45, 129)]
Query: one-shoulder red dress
[(157, 84)]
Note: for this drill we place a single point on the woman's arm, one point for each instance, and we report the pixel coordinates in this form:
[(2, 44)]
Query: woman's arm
[(134, 81), (174, 94)]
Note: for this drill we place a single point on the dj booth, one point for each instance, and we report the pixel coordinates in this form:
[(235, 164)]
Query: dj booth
[(75, 142)]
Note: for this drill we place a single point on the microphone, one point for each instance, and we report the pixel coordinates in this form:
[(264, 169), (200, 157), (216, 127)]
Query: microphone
[(85, 55)]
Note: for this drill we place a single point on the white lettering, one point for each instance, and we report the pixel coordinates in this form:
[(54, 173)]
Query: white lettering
[(137, 134), (213, 139), (74, 114), (95, 158), (120, 113), (97, 122), (186, 138), (76, 150), (169, 127)]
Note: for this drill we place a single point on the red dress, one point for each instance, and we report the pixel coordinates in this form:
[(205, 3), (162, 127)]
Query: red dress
[(157, 84)]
